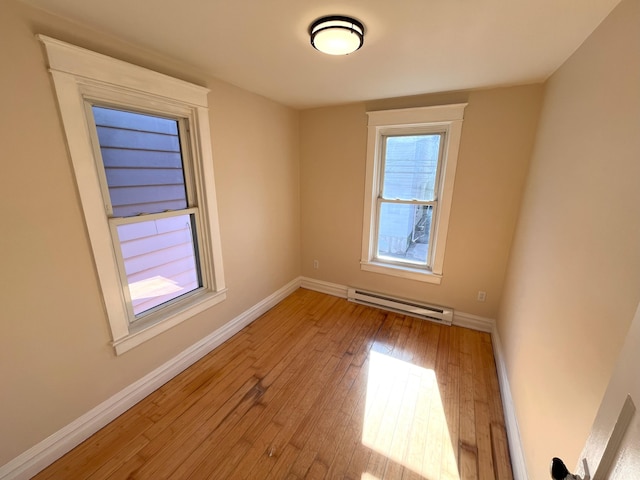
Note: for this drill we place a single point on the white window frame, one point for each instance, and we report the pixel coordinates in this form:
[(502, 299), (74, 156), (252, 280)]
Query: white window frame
[(445, 119), (82, 78)]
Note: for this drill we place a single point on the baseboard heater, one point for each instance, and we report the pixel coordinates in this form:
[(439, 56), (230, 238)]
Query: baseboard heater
[(435, 313)]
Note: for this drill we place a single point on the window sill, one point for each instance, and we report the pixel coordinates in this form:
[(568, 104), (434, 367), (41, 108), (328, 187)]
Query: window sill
[(139, 334), (402, 271)]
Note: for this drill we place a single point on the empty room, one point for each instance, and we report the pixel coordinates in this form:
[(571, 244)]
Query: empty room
[(281, 239)]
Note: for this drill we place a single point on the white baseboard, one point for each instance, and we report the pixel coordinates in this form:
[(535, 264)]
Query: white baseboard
[(516, 451), (474, 322), (324, 287), (53, 447)]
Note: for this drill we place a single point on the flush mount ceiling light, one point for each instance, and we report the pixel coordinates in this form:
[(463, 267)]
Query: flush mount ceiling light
[(337, 35)]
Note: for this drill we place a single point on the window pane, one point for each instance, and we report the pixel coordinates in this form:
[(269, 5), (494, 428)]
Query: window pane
[(410, 167), (159, 260), (403, 232), (142, 162)]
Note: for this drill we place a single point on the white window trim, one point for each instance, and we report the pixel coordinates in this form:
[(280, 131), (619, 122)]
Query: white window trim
[(442, 118), (80, 75)]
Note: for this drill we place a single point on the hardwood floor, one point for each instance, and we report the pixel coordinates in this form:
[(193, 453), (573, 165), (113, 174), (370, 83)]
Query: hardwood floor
[(316, 388)]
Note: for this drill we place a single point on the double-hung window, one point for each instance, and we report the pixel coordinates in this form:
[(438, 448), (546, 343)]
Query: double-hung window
[(140, 147), (411, 163), (151, 208)]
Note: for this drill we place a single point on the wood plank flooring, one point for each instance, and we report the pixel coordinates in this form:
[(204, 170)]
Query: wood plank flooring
[(316, 388)]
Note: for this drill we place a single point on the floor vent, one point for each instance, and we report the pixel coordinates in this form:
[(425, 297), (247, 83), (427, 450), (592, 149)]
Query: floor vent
[(407, 307)]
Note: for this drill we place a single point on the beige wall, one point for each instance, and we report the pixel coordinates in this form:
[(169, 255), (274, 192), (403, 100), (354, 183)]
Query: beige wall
[(287, 179), (497, 137), (55, 358), (574, 278)]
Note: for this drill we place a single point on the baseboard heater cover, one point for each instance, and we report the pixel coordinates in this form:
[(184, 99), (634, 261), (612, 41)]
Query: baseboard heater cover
[(443, 315)]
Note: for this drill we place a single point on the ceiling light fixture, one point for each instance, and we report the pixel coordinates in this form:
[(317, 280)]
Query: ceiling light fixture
[(337, 35)]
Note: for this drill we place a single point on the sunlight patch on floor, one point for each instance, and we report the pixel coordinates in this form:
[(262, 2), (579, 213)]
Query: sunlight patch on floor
[(404, 420)]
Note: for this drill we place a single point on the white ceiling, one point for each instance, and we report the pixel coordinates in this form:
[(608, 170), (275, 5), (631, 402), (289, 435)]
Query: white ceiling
[(411, 46)]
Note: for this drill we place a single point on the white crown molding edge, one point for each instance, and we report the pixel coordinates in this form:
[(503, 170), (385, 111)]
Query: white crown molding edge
[(38, 457)]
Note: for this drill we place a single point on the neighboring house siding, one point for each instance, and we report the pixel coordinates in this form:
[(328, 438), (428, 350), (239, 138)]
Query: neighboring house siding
[(143, 167)]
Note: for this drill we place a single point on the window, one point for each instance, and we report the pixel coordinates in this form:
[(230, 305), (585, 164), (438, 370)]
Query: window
[(140, 148), (152, 215), (411, 163)]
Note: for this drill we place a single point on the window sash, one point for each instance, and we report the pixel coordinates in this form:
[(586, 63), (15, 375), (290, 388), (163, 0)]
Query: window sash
[(145, 171), (183, 135), (381, 161), (399, 262), (116, 222)]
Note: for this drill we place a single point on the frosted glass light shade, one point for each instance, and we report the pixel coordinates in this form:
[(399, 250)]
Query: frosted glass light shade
[(337, 35)]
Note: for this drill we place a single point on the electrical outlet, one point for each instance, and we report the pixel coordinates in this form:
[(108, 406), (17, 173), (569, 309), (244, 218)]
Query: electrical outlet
[(482, 296), (316, 264)]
